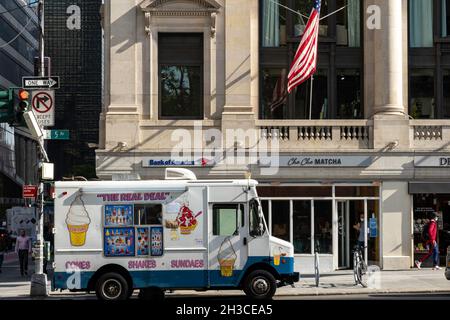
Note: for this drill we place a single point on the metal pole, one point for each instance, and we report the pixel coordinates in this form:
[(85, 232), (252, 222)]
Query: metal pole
[(311, 98), (41, 40), (39, 279), (40, 260)]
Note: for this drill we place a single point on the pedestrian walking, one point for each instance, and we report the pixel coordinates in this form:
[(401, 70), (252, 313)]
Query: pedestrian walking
[(23, 248), (430, 239)]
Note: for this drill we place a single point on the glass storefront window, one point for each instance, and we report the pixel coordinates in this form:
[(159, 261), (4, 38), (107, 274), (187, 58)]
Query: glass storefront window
[(323, 222), (304, 7), (422, 102), (373, 218), (302, 227), (421, 23), (349, 94), (348, 23), (274, 93), (274, 23), (424, 206), (320, 105), (281, 220)]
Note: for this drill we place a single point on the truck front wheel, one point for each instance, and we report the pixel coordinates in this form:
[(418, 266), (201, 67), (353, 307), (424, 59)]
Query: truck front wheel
[(260, 284), (112, 287)]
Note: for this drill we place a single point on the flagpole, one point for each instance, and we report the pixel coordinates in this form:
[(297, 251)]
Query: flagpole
[(311, 98)]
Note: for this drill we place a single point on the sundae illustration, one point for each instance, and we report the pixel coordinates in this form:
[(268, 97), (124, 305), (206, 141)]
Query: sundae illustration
[(78, 221), (186, 220), (227, 258)]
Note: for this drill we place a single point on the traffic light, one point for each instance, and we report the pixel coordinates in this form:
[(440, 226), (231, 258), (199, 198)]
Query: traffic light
[(6, 106), (21, 107)]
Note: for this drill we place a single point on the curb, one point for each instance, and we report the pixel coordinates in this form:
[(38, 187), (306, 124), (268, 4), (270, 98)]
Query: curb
[(377, 292)]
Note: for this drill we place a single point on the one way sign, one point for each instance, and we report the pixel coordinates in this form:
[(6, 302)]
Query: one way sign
[(40, 82)]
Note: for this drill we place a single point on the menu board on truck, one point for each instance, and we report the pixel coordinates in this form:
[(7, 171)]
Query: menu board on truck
[(119, 242)]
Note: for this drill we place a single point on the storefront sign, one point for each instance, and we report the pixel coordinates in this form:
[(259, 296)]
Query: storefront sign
[(178, 162), (432, 161), (319, 161)]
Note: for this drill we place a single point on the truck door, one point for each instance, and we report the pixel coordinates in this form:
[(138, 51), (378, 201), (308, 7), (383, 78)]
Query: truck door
[(228, 249)]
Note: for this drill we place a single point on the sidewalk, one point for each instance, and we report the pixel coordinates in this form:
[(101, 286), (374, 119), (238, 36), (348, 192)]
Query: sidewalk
[(337, 283), (342, 283)]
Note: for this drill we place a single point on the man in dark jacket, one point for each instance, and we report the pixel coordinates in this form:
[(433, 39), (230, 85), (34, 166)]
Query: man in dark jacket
[(432, 243)]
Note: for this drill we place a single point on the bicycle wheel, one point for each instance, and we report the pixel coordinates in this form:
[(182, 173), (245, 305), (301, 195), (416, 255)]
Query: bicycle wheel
[(362, 273), (355, 267), (316, 269)]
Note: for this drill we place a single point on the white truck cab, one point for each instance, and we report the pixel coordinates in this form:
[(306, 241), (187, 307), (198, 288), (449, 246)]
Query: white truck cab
[(179, 233)]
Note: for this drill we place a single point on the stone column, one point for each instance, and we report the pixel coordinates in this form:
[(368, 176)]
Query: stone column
[(388, 60), (241, 65), (385, 79), (121, 120), (396, 225)]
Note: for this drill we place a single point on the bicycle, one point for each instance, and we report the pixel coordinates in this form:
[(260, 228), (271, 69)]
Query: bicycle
[(359, 267)]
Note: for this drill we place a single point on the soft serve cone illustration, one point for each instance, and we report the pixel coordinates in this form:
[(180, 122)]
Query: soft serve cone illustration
[(227, 258), (78, 221)]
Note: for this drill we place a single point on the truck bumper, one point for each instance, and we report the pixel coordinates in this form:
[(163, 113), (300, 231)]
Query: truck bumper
[(289, 279)]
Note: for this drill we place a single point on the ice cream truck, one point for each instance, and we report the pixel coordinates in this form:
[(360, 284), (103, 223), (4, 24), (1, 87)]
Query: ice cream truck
[(113, 237)]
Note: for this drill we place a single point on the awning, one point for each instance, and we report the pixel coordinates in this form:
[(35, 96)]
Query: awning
[(429, 187)]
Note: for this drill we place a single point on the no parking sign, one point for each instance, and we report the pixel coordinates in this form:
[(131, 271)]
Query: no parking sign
[(43, 103)]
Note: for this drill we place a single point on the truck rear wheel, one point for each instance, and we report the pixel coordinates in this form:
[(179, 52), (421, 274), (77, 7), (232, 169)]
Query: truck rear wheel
[(260, 284), (112, 287)]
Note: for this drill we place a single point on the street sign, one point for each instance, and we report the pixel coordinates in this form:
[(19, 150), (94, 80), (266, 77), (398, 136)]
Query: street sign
[(29, 192), (43, 105), (40, 83), (57, 135)]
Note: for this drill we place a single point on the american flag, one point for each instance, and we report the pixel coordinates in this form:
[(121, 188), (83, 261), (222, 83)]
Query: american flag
[(305, 61)]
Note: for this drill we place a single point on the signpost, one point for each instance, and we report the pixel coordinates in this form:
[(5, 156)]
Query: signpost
[(43, 103), (57, 135), (40, 83), (29, 192)]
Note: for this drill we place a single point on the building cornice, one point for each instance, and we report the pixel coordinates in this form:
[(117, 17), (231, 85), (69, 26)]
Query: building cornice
[(188, 8)]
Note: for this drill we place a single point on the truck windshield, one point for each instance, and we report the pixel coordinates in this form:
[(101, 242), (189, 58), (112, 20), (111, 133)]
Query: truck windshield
[(257, 225)]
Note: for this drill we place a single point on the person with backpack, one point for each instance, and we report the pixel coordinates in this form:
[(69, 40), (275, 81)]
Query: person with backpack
[(429, 235)]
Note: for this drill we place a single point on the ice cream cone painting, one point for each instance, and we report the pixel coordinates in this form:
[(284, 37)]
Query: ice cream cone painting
[(78, 222), (277, 256), (186, 220), (227, 258)]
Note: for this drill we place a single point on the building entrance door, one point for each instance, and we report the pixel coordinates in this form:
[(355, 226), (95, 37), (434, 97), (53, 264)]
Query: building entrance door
[(343, 234)]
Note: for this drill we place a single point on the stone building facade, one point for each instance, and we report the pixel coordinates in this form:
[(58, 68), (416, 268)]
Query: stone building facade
[(331, 168)]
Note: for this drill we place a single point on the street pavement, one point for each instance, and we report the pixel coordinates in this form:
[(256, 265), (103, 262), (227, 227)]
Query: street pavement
[(408, 284)]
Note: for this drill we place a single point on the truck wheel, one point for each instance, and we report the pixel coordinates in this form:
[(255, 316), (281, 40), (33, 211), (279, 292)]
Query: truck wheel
[(112, 287), (154, 294), (260, 284)]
